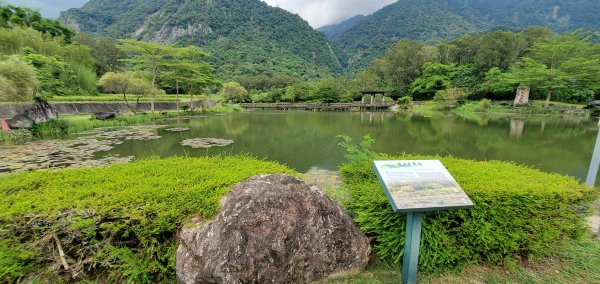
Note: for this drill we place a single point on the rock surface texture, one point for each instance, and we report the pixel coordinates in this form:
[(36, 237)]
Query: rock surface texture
[(20, 121), (41, 111), (272, 229)]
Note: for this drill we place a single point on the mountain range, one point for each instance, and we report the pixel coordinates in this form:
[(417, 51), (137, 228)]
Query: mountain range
[(433, 20), (249, 37), (246, 37)]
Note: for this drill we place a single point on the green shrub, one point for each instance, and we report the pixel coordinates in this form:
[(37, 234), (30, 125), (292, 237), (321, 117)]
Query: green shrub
[(51, 128), (405, 102), (116, 223), (451, 98), (484, 105), (518, 212)]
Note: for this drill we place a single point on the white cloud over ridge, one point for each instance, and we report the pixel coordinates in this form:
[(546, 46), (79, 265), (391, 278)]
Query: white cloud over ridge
[(319, 13)]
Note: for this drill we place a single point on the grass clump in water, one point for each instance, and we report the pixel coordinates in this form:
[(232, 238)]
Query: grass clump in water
[(115, 223)]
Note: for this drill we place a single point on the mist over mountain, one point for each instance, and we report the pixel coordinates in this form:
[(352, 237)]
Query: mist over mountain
[(334, 31)]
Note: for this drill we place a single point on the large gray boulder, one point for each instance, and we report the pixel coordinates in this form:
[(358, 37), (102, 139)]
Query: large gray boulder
[(20, 121), (272, 229), (41, 111)]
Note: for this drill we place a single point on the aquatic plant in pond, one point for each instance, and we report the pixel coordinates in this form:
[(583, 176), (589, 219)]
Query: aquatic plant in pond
[(177, 129), (206, 142), (77, 152)]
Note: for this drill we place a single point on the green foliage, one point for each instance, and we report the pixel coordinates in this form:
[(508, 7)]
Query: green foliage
[(247, 38), (484, 105), (124, 84), (17, 80), (436, 77), (405, 102), (558, 63), (574, 96), (117, 222), (518, 212), (51, 128), (15, 135), (11, 16), (495, 86), (434, 21), (51, 75), (62, 69), (104, 50), (450, 98), (402, 65), (233, 91)]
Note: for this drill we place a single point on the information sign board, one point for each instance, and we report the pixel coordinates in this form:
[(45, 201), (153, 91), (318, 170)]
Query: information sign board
[(420, 185)]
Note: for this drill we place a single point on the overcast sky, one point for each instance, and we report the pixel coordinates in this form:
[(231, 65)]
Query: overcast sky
[(317, 12)]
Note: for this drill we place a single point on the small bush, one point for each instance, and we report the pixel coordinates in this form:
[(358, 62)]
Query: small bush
[(116, 223), (405, 102), (484, 105), (451, 98), (51, 128), (518, 212)]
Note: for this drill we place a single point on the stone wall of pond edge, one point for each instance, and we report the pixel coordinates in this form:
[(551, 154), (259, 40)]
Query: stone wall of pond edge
[(11, 110)]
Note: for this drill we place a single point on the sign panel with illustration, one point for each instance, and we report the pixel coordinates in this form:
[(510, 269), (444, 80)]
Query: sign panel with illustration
[(420, 185)]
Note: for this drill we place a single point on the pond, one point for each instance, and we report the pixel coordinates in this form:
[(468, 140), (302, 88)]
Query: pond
[(306, 141)]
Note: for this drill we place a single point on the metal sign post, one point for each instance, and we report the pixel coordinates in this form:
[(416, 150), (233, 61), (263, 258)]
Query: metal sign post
[(414, 187), (593, 169)]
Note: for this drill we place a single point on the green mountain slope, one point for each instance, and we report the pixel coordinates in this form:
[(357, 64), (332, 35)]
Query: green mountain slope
[(246, 37), (433, 20), (334, 31)]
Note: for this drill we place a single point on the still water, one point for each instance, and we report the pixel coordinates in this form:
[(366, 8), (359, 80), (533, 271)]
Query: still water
[(307, 140)]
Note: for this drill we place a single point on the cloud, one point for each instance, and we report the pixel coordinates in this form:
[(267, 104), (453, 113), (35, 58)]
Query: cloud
[(325, 12)]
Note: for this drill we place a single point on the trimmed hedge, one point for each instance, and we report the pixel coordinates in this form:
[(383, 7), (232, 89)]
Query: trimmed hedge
[(518, 212), (115, 223)]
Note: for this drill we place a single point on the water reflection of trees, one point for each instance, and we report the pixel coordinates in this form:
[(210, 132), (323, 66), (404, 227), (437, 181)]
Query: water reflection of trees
[(307, 139)]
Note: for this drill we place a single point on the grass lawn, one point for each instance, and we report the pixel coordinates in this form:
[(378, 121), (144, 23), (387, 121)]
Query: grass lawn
[(577, 262)]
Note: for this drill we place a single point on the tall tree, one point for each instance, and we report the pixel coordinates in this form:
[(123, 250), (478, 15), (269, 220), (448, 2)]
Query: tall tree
[(147, 56), (558, 63), (193, 71), (124, 84)]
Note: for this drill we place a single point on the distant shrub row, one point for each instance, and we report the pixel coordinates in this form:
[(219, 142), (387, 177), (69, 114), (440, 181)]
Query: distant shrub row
[(115, 224), (518, 212)]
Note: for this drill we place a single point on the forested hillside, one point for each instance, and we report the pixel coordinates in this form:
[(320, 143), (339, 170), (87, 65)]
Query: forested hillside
[(246, 37), (334, 31), (432, 20)]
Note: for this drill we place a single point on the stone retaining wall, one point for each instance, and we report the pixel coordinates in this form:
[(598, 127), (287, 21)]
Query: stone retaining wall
[(10, 110)]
